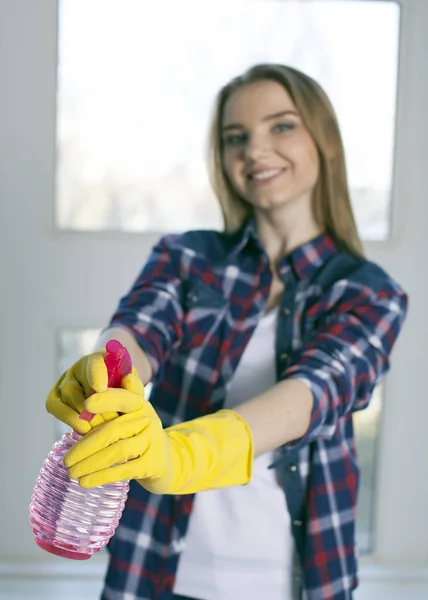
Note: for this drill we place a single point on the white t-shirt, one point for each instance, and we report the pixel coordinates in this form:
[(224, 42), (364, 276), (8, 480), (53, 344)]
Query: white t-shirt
[(239, 542)]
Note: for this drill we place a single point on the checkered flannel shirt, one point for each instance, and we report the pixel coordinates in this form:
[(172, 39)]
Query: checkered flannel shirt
[(193, 309)]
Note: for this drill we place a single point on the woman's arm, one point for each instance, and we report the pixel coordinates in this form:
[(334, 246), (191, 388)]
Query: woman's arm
[(278, 416), (149, 317), (148, 321), (335, 371)]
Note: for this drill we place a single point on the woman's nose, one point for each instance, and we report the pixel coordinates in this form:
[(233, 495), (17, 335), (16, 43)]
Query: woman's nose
[(257, 148)]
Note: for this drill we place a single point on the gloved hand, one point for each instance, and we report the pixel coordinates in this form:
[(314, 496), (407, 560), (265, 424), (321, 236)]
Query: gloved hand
[(66, 399), (209, 452)]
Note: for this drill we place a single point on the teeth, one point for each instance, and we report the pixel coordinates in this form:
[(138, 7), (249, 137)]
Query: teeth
[(265, 174)]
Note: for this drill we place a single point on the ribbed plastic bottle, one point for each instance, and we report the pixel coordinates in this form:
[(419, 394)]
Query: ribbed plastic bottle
[(68, 520)]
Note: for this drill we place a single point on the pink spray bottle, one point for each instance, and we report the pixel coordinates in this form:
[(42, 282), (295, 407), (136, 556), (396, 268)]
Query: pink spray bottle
[(68, 520)]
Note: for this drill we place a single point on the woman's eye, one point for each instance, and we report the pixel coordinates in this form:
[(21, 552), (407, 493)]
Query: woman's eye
[(234, 139), (281, 127)]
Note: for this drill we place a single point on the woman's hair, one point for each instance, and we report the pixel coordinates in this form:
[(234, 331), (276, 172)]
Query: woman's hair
[(331, 202)]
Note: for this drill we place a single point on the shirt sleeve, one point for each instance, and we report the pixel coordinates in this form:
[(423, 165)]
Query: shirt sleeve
[(152, 310), (348, 352)]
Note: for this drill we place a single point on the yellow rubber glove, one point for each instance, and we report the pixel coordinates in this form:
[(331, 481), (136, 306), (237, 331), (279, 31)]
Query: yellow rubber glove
[(209, 452), (66, 399)]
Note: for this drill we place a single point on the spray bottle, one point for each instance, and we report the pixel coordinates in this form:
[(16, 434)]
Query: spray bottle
[(68, 520)]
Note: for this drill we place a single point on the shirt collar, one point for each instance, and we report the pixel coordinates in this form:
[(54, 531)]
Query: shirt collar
[(304, 260), (309, 257), (243, 236)]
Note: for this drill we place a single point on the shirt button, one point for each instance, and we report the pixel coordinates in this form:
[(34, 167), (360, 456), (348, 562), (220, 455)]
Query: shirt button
[(283, 357), (192, 297), (292, 468), (297, 523), (286, 311)]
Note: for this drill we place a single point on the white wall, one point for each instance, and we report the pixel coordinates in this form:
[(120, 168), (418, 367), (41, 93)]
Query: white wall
[(38, 275)]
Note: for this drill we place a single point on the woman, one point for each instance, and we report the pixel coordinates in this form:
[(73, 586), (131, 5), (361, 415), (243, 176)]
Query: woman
[(261, 342)]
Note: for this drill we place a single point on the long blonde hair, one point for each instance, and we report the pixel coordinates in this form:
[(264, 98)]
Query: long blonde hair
[(331, 202)]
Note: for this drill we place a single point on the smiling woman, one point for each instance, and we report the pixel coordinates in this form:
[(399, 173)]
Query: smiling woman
[(250, 421)]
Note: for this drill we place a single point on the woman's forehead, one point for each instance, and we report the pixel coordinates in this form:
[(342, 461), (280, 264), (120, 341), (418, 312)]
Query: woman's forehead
[(257, 100)]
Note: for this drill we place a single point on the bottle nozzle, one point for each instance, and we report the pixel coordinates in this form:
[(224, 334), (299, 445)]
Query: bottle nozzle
[(118, 363)]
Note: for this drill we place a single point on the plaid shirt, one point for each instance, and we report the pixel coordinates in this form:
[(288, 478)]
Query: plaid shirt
[(193, 309)]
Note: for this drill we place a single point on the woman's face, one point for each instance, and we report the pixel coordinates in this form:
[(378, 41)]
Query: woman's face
[(268, 155)]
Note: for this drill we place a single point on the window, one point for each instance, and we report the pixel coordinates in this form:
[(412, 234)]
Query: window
[(136, 91)]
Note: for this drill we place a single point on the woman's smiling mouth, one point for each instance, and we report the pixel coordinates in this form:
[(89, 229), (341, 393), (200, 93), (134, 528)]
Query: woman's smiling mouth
[(260, 178)]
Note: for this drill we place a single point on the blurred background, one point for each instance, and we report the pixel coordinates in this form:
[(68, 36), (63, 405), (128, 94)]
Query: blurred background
[(104, 112)]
